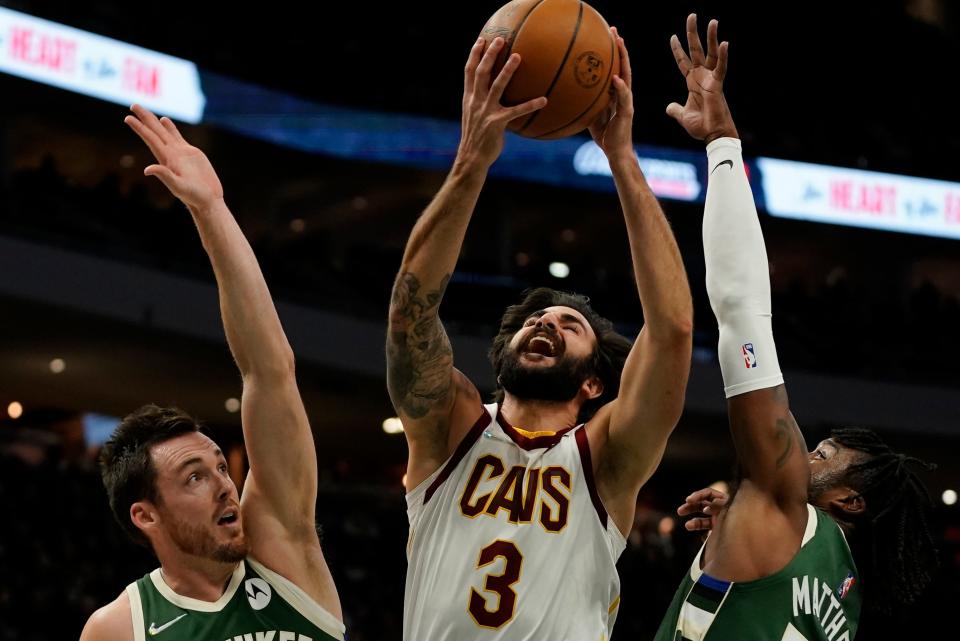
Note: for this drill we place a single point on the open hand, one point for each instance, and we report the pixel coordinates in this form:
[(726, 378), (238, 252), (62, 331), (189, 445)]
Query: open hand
[(484, 119), (184, 169), (705, 115)]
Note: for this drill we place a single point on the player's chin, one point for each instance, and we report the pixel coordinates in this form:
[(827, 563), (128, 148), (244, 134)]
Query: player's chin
[(233, 553), (233, 549)]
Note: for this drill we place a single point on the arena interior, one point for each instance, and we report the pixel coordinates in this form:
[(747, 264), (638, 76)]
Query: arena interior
[(332, 125)]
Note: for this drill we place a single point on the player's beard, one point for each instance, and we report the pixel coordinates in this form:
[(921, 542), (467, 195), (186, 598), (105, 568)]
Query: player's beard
[(559, 382), (196, 540), (820, 483)]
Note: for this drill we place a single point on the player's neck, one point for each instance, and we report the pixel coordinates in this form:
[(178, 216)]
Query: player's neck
[(848, 528), (196, 578), (537, 416)]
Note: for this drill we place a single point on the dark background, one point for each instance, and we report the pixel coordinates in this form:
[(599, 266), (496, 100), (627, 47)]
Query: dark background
[(101, 268)]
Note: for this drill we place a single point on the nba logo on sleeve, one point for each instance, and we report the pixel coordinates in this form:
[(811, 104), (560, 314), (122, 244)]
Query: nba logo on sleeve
[(749, 358)]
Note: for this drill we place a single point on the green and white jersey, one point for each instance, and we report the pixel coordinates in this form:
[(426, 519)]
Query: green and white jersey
[(258, 605), (815, 597)]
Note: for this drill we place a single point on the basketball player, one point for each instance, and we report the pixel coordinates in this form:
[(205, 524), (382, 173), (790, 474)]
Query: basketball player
[(518, 509), (230, 567), (777, 563)]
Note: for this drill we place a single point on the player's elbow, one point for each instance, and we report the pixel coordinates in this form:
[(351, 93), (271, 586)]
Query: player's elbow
[(285, 361), (682, 326), (725, 300), (674, 330), (278, 367)]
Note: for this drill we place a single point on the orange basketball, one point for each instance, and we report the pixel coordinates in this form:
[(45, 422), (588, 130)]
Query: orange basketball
[(567, 54)]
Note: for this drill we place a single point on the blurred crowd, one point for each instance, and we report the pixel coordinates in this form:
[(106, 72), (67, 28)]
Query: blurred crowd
[(833, 314)]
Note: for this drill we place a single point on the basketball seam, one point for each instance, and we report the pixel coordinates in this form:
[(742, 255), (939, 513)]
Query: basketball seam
[(516, 33), (563, 63), (605, 86)]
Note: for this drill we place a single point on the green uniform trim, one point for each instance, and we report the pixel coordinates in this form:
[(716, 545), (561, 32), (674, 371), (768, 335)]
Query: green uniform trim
[(258, 605), (816, 597)]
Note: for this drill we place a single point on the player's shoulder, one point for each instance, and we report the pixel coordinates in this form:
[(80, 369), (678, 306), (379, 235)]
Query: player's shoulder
[(112, 622)]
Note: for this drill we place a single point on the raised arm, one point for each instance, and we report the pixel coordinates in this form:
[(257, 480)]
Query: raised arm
[(654, 377), (281, 489), (770, 448), (435, 401)]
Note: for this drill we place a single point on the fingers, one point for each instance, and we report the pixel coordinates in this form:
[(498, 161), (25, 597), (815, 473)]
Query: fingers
[(524, 109), (691, 505), (706, 506), (151, 122), (157, 133), (693, 41), (153, 142), (698, 524), (166, 176), (702, 501), (683, 62), (688, 508), (625, 71), (624, 96), (160, 171), (675, 111), (171, 129), (712, 45), (481, 82), (721, 71), (503, 78), (706, 502), (707, 494), (470, 71)]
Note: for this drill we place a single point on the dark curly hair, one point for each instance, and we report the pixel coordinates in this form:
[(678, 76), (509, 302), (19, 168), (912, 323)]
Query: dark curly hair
[(125, 463), (608, 358), (893, 547)]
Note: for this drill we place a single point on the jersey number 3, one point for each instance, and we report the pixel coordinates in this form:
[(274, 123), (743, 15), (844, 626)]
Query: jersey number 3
[(500, 585)]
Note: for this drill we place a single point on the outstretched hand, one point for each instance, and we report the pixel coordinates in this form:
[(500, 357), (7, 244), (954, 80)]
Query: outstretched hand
[(184, 169), (705, 116), (708, 502), (484, 119)]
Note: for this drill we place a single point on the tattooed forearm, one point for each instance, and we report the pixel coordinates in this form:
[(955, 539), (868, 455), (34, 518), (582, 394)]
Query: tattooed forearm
[(419, 355), (783, 433)]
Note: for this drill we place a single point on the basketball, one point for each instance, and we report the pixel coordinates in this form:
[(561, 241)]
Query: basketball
[(567, 54)]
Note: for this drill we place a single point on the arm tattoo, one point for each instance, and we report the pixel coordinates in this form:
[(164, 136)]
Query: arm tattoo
[(419, 355), (783, 432)]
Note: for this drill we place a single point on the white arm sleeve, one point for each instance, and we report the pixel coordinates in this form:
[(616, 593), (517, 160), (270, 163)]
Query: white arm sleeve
[(738, 279)]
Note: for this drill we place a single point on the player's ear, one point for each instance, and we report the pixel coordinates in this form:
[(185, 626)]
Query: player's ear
[(144, 516), (852, 504), (592, 388)]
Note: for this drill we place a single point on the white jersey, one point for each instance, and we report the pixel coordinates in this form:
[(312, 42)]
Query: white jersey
[(509, 541)]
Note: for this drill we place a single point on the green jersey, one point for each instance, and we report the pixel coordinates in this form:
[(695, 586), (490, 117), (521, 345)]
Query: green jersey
[(258, 605), (815, 597)]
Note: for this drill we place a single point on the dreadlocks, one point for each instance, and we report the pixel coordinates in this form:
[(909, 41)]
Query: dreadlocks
[(893, 533)]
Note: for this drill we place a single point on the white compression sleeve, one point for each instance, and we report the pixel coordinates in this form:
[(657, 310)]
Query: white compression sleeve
[(738, 279)]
